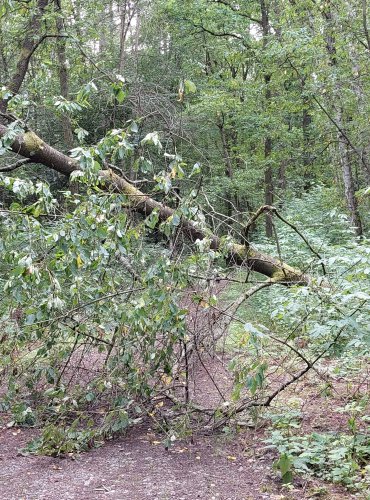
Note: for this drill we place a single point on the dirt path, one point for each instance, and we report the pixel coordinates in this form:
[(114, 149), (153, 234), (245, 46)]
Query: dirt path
[(137, 467)]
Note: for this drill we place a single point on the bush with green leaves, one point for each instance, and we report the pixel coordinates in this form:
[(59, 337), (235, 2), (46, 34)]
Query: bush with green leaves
[(91, 317), (335, 457), (339, 457)]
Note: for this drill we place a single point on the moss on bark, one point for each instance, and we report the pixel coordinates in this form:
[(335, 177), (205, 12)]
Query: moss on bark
[(33, 142)]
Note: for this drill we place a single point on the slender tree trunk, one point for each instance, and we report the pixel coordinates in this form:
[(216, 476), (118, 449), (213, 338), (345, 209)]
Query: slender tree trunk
[(364, 159), (269, 184), (123, 34), (347, 175), (306, 135), (137, 39), (228, 166), (282, 183), (129, 9), (240, 201), (364, 23), (111, 21), (63, 81), (30, 44), (366, 164), (4, 62), (64, 89), (103, 34), (33, 147)]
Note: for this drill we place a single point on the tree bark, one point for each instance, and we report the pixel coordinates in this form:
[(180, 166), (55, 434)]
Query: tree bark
[(228, 165), (63, 81), (269, 185), (347, 175), (4, 62), (364, 23), (30, 44), (306, 135), (128, 10), (122, 38)]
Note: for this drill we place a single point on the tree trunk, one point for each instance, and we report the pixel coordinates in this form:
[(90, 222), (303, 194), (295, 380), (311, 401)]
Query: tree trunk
[(228, 166), (362, 99), (269, 188), (63, 81), (306, 122), (4, 62), (30, 44), (282, 183), (347, 175), (364, 23), (269, 185), (128, 10), (122, 38)]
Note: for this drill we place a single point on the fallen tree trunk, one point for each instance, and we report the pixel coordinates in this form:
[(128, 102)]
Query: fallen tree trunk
[(29, 145)]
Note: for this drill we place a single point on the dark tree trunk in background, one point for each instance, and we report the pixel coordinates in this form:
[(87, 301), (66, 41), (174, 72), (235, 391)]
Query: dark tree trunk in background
[(63, 81), (306, 135), (128, 9), (349, 189), (226, 153), (123, 35), (345, 161), (29, 45), (3, 60), (268, 180)]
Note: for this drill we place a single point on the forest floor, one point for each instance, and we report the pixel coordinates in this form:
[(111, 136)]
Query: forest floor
[(235, 466), (138, 467)]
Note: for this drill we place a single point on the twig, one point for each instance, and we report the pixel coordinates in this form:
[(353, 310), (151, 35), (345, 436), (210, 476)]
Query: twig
[(86, 304), (309, 364), (122, 174), (13, 166), (292, 226), (252, 220)]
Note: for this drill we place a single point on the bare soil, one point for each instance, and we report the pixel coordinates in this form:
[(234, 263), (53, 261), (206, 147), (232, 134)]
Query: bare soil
[(137, 466)]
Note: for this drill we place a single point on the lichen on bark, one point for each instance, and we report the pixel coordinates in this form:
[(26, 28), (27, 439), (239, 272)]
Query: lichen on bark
[(32, 142)]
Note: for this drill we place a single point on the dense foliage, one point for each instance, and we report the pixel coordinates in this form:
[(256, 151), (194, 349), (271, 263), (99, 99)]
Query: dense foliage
[(127, 230)]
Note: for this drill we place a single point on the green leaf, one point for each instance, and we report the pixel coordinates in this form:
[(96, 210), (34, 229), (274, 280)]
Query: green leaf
[(152, 220), (284, 464), (120, 96), (190, 87), (90, 396), (176, 220)]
